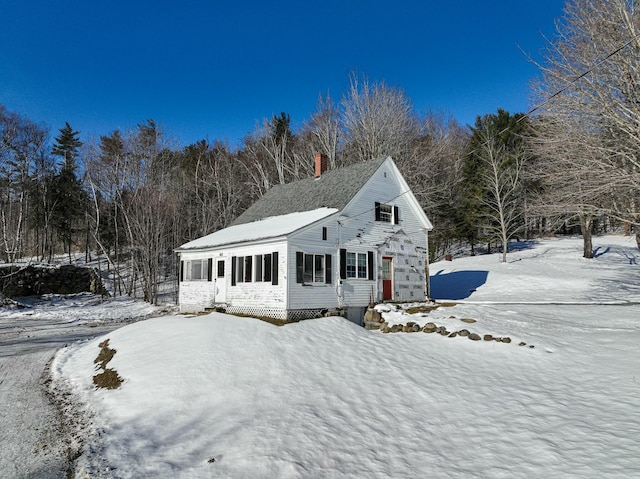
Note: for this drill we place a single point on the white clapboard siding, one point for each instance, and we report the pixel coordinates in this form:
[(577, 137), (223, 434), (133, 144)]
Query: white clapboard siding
[(309, 240), (354, 229), (197, 295), (406, 242)]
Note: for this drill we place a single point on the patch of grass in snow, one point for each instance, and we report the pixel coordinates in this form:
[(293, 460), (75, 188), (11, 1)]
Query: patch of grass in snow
[(422, 308), (105, 355), (108, 378)]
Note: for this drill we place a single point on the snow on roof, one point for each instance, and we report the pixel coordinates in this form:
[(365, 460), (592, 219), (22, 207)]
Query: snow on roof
[(270, 227)]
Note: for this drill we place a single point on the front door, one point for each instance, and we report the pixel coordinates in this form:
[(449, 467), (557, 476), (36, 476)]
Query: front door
[(387, 278), (220, 295)]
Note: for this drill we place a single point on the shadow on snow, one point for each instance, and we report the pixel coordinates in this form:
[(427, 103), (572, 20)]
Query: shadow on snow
[(457, 284)]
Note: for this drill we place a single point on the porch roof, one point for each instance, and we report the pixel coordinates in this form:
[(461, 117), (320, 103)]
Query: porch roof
[(271, 227)]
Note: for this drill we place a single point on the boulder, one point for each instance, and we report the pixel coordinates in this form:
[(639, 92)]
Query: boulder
[(464, 332), (488, 337), (474, 337), (429, 328), (373, 316)]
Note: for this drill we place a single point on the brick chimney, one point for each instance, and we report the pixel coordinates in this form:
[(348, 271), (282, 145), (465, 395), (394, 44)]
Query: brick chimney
[(321, 164)]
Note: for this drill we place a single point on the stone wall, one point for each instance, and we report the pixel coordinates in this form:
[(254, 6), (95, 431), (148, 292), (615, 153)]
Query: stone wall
[(38, 280)]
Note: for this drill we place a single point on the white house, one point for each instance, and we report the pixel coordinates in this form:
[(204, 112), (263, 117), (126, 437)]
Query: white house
[(342, 239)]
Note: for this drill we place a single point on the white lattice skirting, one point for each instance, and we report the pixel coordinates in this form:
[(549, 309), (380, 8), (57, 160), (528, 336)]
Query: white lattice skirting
[(290, 315)]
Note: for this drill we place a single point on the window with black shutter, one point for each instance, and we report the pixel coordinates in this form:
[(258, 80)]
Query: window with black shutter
[(259, 263), (274, 268), (267, 269), (299, 267), (248, 263), (234, 268), (386, 213)]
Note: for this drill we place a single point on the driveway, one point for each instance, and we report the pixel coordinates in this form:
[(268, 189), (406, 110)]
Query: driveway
[(33, 439)]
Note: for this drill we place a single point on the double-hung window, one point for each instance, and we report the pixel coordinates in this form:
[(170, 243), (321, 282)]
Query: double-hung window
[(313, 268), (356, 265), (263, 267), (313, 271), (195, 270), (257, 268), (387, 213)]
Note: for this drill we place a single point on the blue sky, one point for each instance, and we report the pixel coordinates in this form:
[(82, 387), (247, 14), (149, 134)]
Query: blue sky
[(212, 69)]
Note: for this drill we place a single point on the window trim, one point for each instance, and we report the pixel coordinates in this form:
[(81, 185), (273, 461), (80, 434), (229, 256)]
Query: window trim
[(391, 213), (265, 269), (362, 267), (306, 272), (187, 269)]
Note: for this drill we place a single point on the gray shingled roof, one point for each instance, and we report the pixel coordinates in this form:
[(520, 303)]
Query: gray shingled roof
[(334, 189)]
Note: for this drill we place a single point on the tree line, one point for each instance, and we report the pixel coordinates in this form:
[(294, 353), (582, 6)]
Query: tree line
[(133, 196)]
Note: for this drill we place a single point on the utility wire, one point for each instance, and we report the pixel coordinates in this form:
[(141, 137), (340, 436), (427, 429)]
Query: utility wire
[(571, 83), (531, 111)]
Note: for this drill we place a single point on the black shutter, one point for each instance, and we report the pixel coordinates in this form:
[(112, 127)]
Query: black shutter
[(396, 215), (377, 211), (299, 267), (248, 263), (181, 271), (259, 264), (233, 271), (343, 264), (274, 267), (328, 273), (370, 264), (267, 269), (209, 269)]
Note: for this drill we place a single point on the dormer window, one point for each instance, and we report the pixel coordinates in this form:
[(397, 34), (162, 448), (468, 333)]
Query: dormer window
[(387, 213)]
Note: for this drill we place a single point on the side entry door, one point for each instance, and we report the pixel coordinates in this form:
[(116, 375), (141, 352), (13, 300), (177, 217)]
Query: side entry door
[(220, 295), (387, 278)]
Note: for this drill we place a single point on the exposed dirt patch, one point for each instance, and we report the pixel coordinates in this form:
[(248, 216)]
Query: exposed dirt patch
[(108, 378)]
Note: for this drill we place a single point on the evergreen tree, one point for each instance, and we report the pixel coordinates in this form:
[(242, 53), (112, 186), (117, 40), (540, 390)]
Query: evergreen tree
[(507, 132), (69, 197)]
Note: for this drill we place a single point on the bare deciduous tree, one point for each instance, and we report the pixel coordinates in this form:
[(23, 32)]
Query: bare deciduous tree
[(589, 121), (22, 143), (502, 182), (433, 170), (323, 130), (378, 121)]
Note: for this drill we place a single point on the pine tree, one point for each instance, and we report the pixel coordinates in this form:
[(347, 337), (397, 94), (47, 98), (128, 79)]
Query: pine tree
[(505, 130), (70, 199)]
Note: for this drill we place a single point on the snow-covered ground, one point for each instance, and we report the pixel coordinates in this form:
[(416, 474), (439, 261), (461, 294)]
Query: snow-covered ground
[(35, 441), (222, 396)]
